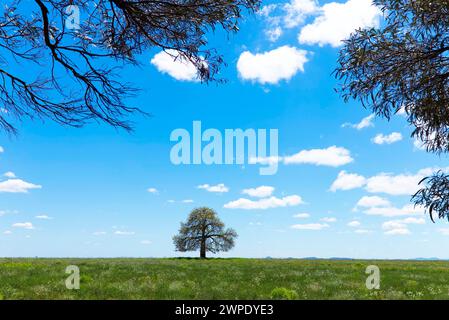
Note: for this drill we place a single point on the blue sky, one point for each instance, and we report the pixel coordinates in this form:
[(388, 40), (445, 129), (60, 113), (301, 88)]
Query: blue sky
[(99, 192)]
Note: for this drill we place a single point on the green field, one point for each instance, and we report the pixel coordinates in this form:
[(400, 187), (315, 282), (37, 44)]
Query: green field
[(221, 279)]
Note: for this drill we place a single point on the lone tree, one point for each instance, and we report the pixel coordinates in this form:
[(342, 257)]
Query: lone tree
[(77, 63), (405, 66), (204, 230)]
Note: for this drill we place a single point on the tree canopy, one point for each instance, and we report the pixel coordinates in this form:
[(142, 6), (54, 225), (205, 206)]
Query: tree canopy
[(78, 67), (404, 66), (203, 230)]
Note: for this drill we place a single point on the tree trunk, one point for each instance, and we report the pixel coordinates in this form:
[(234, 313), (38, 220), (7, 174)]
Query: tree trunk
[(203, 249)]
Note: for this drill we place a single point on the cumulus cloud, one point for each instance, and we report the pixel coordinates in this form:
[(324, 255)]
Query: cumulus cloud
[(397, 185), (332, 157), (328, 219), (391, 211), (387, 139), (374, 201), (302, 216), (354, 224), (364, 123), (43, 217), (17, 186), (171, 63), (152, 190), (10, 175), (310, 226), (274, 34), (399, 227), (296, 11), (288, 15), (273, 66), (263, 204), (337, 21), (219, 188), (23, 225), (362, 231), (124, 233), (347, 181), (259, 192)]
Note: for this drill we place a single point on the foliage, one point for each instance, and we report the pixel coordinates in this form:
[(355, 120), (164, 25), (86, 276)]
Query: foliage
[(435, 197), (283, 294), (204, 230), (77, 82), (404, 66)]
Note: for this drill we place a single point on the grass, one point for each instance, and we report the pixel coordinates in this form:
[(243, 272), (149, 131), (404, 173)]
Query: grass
[(221, 279)]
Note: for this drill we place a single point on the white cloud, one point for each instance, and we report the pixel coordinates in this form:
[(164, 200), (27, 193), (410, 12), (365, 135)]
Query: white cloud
[(374, 201), (399, 227), (219, 188), (302, 216), (364, 123), (444, 231), (298, 10), (176, 66), (398, 232), (387, 139), (145, 242), (10, 175), (354, 224), (401, 224), (2, 149), (407, 210), (274, 33), (402, 184), (362, 231), (152, 190), (17, 186), (396, 185), (419, 145), (310, 226), (263, 204), (412, 220), (328, 219), (124, 233), (7, 232), (267, 10), (259, 192), (99, 233), (337, 21), (333, 157), (347, 181), (43, 217), (402, 112), (188, 201), (23, 225), (272, 66)]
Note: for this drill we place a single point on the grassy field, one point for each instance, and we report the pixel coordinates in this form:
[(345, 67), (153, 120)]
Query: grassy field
[(221, 279)]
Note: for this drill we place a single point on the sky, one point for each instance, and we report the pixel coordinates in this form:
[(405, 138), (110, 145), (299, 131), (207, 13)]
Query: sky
[(344, 177)]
